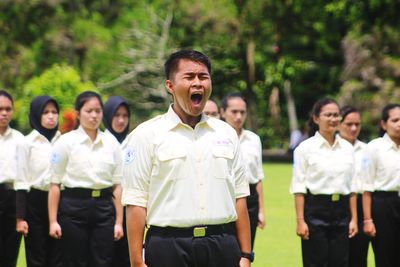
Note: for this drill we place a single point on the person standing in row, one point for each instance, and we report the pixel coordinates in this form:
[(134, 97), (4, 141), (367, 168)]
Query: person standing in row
[(211, 109), (234, 112), (322, 179), (88, 164), (381, 200), (9, 140), (116, 121), (183, 176), (349, 129), (33, 183)]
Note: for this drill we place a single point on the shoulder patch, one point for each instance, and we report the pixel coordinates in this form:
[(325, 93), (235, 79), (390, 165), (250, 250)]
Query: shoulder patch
[(55, 157), (129, 155)]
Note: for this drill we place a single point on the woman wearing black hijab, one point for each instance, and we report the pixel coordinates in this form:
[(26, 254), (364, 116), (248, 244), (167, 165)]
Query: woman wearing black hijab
[(116, 120), (33, 184)]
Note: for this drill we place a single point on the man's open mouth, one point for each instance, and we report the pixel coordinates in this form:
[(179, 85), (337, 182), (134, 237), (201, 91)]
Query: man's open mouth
[(196, 97)]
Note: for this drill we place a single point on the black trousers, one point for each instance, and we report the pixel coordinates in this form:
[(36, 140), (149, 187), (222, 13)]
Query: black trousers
[(171, 250), (87, 226), (41, 250), (328, 223), (121, 249), (386, 215), (360, 242), (253, 207), (9, 238)]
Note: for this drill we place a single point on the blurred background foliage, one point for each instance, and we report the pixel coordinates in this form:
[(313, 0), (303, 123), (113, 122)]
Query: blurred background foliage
[(270, 50)]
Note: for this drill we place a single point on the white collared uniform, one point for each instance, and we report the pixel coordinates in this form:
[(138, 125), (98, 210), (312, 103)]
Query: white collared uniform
[(250, 145), (184, 176), (34, 162), (78, 162), (8, 156), (321, 168), (360, 166), (383, 165)]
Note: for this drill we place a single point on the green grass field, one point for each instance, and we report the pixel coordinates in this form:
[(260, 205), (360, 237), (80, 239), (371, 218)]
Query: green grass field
[(277, 245)]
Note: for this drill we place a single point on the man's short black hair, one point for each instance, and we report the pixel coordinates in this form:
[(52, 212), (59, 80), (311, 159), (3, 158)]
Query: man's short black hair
[(172, 62)]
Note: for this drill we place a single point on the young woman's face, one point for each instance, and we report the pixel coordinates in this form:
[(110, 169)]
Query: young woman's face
[(49, 118), (392, 125), (120, 120), (91, 114), (350, 127), (328, 119)]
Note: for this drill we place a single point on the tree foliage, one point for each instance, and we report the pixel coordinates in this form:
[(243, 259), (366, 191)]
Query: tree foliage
[(341, 48)]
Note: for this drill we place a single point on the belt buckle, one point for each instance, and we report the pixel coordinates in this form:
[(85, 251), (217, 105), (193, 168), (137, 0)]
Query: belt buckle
[(96, 193), (199, 231), (335, 197)]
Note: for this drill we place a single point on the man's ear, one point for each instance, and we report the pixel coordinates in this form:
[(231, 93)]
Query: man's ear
[(170, 86)]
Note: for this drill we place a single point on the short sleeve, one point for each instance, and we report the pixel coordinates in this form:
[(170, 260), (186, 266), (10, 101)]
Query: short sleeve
[(22, 180), (137, 166), (239, 171), (58, 161), (298, 184)]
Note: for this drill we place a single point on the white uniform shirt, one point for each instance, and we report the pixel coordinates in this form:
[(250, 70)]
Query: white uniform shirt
[(78, 162), (8, 155), (184, 176), (360, 168), (321, 168), (250, 145), (34, 162), (383, 165)]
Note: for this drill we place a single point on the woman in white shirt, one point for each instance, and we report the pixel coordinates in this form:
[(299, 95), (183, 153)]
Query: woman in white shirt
[(349, 129), (9, 140), (381, 201), (87, 214), (116, 121), (321, 183), (33, 184)]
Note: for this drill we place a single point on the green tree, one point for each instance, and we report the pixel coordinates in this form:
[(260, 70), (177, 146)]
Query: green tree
[(61, 82)]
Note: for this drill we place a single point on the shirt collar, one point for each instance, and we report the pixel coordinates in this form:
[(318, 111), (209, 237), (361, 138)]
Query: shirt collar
[(174, 120), (390, 142), (37, 135), (323, 142), (83, 137), (7, 132), (358, 145)]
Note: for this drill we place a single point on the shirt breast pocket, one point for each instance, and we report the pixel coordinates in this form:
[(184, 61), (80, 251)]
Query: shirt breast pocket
[(172, 164), (222, 162), (105, 166)]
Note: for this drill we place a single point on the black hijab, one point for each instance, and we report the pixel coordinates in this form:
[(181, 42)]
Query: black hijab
[(35, 115), (110, 108)]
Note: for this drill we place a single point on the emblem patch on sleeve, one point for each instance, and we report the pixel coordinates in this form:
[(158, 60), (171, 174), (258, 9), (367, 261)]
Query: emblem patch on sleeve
[(129, 155), (55, 158)]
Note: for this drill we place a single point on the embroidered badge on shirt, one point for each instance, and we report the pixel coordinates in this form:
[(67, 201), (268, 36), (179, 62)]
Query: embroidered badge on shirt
[(55, 158), (129, 155)]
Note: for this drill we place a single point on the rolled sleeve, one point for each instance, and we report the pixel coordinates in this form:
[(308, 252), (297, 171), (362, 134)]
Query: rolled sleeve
[(241, 182), (58, 161), (134, 197), (298, 184), (137, 164), (117, 174), (21, 181), (370, 171)]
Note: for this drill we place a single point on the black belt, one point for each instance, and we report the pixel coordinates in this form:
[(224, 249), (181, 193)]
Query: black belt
[(195, 231), (86, 193), (386, 194), (325, 198)]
